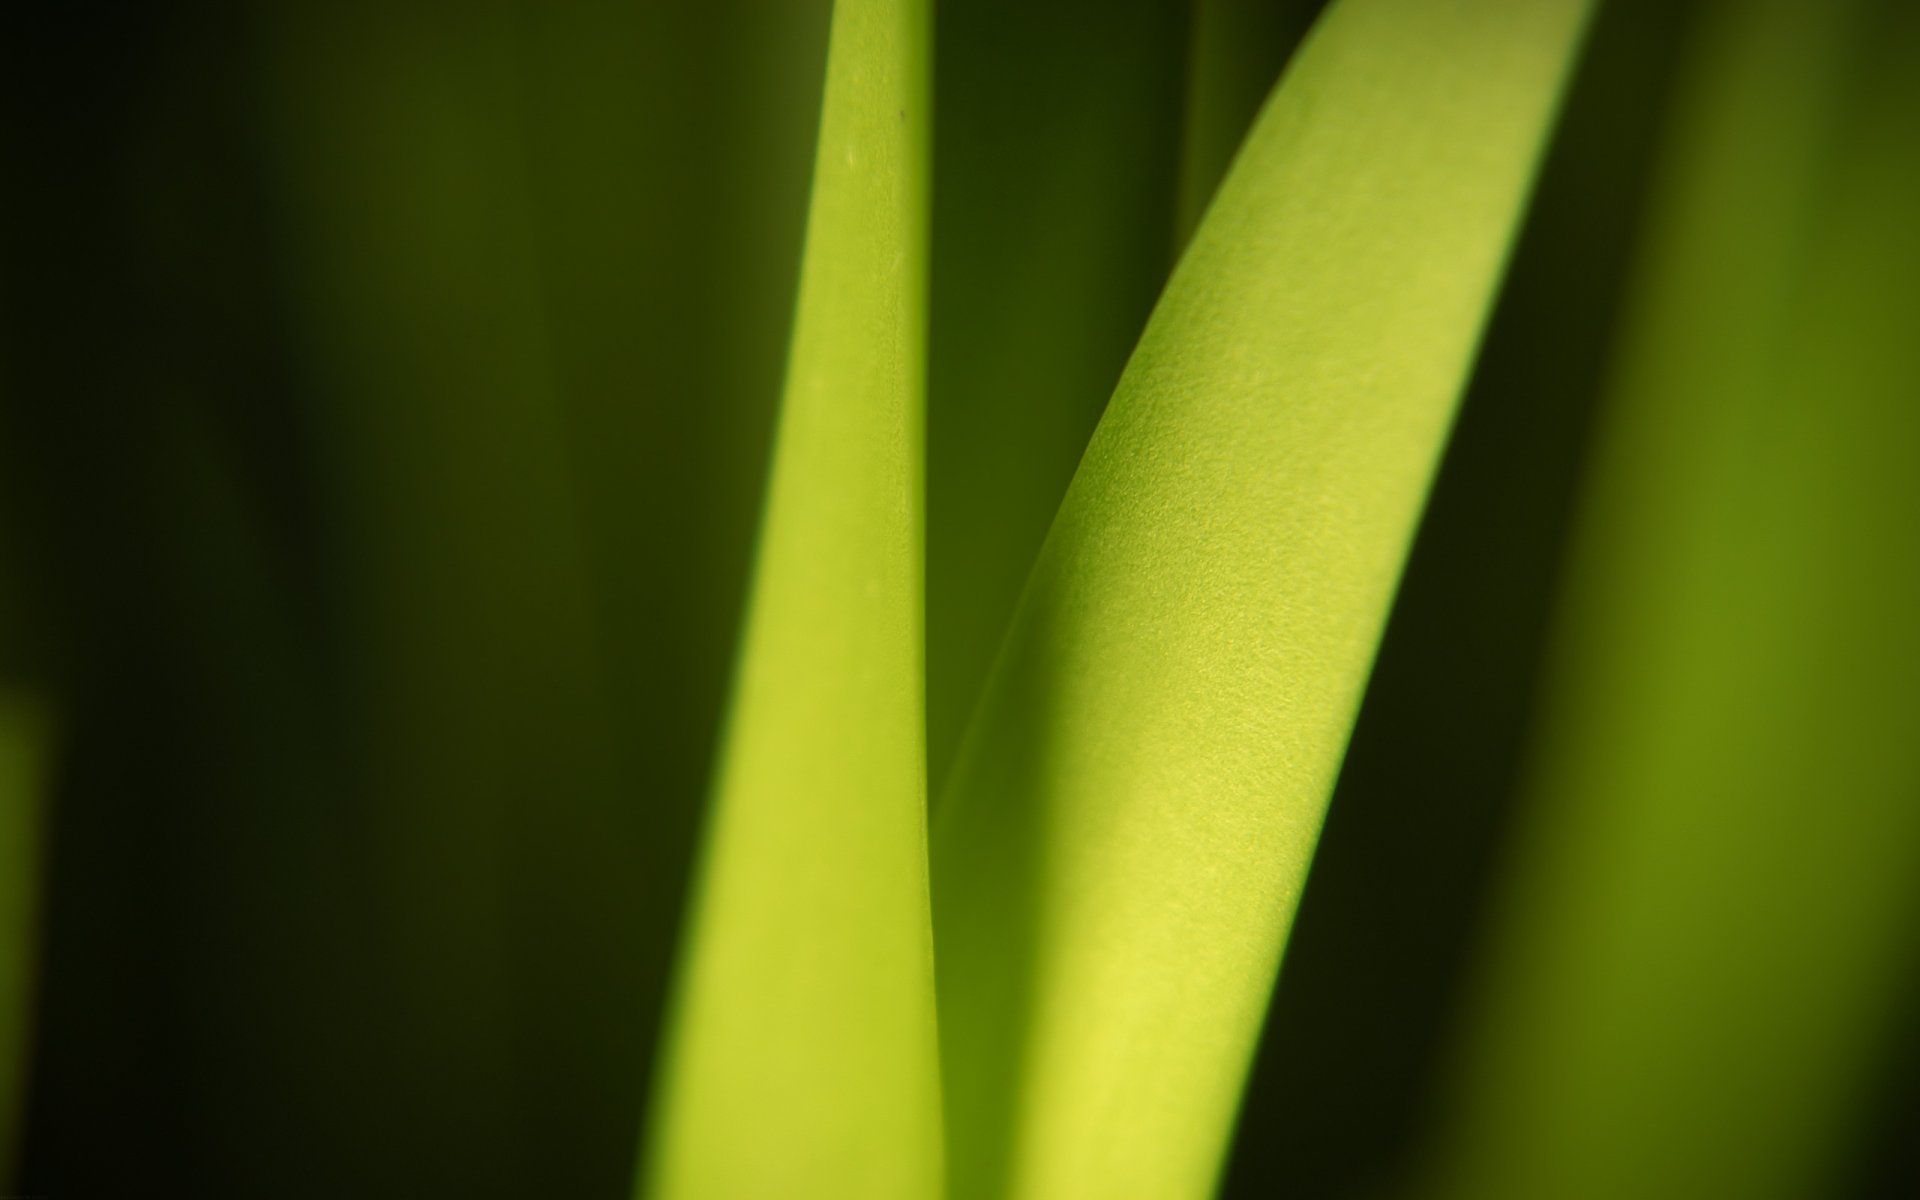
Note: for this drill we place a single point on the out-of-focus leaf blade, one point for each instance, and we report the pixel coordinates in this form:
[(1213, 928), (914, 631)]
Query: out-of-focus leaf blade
[(469, 674), (1235, 49), (1717, 890), (1134, 808), (1056, 146), (803, 1057), (541, 257)]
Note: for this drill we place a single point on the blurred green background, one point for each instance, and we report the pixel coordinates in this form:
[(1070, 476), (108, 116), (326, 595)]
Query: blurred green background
[(385, 395)]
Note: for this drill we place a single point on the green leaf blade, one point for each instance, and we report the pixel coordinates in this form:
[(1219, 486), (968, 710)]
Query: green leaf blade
[(804, 1059), (1716, 890), (1123, 841)]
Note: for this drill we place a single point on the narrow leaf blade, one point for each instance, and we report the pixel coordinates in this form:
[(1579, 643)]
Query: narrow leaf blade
[(804, 1061)]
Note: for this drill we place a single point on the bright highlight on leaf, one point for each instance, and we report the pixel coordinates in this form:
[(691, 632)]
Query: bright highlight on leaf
[(1135, 806), (1719, 883), (803, 1059)]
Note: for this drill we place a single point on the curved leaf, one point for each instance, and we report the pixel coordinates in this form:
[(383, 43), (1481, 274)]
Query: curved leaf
[(1124, 838)]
